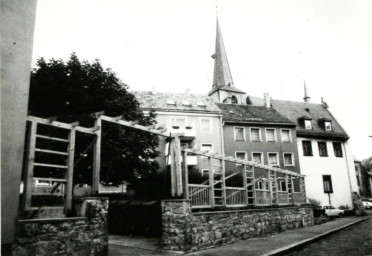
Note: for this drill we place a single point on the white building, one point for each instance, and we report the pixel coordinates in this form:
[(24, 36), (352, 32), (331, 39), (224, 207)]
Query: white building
[(324, 152)]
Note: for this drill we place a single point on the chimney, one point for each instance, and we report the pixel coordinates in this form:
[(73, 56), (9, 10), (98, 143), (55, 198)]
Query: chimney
[(187, 91), (267, 100), (153, 91)]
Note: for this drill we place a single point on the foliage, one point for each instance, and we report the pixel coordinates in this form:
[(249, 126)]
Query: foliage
[(75, 89), (315, 203)]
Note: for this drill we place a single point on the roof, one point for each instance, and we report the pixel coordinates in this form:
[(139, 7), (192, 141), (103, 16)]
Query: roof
[(252, 114), (367, 163), (157, 101), (294, 111), (221, 73), (229, 88)]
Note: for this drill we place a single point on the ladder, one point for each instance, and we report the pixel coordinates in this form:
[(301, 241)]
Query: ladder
[(248, 172), (218, 183), (290, 188), (303, 190), (50, 178), (273, 187)]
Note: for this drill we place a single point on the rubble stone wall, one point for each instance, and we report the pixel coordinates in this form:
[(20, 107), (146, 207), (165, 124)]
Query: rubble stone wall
[(85, 234), (187, 231)]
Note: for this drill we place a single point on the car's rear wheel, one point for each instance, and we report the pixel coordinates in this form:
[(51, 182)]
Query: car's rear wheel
[(340, 215)]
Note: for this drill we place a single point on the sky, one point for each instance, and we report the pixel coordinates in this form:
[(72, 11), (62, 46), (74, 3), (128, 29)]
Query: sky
[(272, 46)]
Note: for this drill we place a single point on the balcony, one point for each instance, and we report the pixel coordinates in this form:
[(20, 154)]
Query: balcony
[(188, 131), (191, 160)]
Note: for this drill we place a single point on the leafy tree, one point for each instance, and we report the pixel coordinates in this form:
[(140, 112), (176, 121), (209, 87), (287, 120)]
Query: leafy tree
[(75, 89)]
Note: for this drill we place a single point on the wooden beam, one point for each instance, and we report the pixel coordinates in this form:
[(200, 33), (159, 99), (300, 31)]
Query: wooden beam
[(211, 182), (97, 157), (70, 169), (185, 179), (245, 184), (222, 164), (178, 168), (97, 114), (27, 180), (173, 169)]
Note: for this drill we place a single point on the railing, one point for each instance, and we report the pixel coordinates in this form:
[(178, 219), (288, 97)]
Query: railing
[(199, 195), (235, 197), (263, 197), (283, 197), (297, 198)]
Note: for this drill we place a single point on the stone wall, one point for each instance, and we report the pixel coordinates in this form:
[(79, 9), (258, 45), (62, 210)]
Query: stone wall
[(85, 234), (186, 231)]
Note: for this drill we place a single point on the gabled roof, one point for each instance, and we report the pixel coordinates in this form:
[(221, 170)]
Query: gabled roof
[(225, 88), (184, 102), (252, 114), (294, 111)]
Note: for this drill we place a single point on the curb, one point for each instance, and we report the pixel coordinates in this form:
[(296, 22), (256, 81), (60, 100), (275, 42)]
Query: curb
[(290, 248)]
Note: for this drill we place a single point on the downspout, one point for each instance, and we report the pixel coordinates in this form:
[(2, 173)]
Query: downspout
[(348, 174), (222, 123)]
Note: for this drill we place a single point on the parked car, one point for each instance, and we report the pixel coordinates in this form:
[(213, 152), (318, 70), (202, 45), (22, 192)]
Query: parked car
[(367, 204), (319, 212), (331, 211)]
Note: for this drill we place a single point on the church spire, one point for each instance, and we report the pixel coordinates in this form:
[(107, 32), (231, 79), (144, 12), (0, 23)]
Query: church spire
[(221, 75), (307, 97)]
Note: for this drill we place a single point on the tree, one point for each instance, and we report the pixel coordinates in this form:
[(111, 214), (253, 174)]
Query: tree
[(75, 89)]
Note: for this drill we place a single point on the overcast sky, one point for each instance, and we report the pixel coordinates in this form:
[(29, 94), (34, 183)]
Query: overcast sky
[(272, 46)]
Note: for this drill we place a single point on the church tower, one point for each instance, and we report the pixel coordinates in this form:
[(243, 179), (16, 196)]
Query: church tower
[(223, 89)]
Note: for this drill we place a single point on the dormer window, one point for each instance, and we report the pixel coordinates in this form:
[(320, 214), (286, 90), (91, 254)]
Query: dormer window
[(325, 123), (185, 102), (306, 121), (170, 102), (234, 100), (328, 126)]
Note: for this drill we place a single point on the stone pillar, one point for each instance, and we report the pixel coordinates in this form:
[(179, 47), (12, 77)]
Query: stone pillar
[(176, 214)]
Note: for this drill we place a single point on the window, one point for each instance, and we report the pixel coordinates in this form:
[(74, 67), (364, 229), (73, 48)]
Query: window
[(185, 102), (241, 155), (308, 125), (170, 102), (234, 100), (205, 124), (282, 186), (286, 135), (327, 126), (327, 184), (207, 148), (255, 134), (337, 149), (273, 159), (270, 135), (322, 148), (205, 172), (178, 122), (306, 146), (257, 158), (288, 159), (239, 133)]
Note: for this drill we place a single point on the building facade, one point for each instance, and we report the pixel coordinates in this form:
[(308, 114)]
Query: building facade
[(323, 148), (196, 116)]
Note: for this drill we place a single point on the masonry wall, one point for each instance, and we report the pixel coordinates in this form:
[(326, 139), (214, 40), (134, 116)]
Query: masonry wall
[(82, 235), (186, 231)]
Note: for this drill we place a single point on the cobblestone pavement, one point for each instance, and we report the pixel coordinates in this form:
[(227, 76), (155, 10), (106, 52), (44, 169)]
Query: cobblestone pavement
[(353, 241)]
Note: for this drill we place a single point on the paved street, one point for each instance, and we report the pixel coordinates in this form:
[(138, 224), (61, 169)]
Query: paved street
[(355, 240)]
